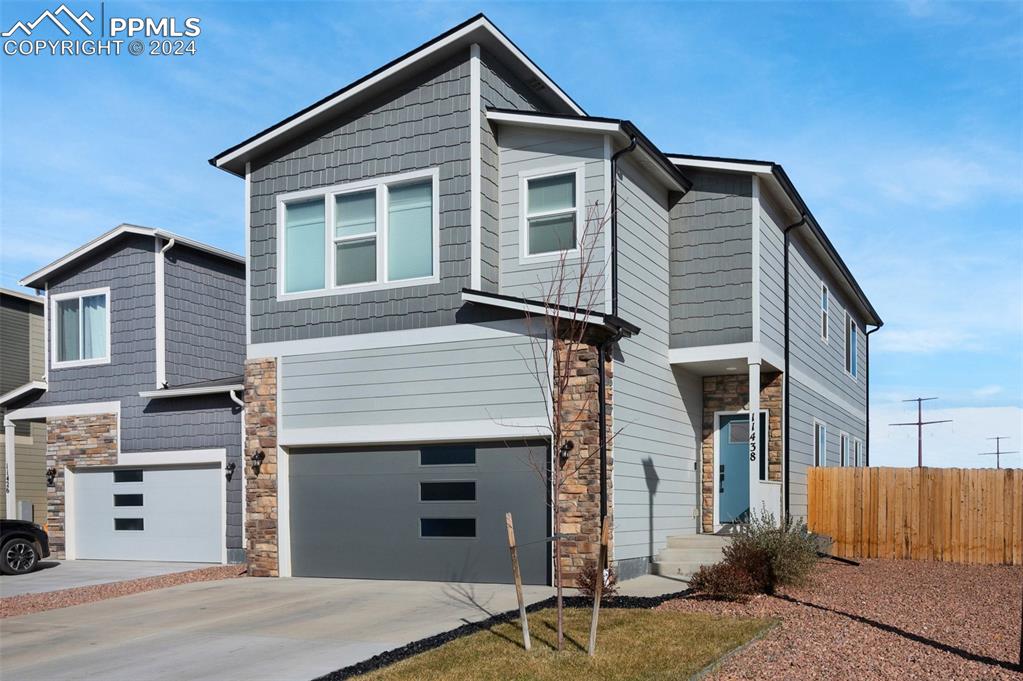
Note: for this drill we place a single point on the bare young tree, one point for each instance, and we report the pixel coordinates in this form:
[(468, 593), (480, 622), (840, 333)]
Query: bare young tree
[(562, 342)]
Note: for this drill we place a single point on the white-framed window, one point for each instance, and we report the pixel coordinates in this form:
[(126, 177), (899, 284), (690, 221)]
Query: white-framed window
[(843, 448), (851, 341), (80, 328), (820, 444), (551, 208), (824, 312), (361, 236), (858, 452)]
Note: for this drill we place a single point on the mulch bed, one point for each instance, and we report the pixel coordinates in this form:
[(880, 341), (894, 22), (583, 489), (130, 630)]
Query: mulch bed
[(883, 620), (26, 604)]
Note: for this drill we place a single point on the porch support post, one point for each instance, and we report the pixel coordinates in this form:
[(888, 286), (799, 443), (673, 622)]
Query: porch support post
[(9, 482), (756, 504)]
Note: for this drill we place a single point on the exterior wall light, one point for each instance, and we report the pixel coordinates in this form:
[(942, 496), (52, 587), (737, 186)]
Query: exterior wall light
[(257, 461), (51, 473), (230, 471)]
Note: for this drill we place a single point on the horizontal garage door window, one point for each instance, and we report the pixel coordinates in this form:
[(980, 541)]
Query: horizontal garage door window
[(133, 475), (447, 527), (128, 524), (127, 500), (447, 455), (447, 491)]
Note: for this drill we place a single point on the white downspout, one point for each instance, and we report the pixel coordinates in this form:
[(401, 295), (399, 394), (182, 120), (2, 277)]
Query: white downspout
[(9, 482), (161, 316), (241, 469)]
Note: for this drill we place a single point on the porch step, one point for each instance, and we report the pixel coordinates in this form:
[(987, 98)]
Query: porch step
[(685, 554), (706, 556), (692, 541), (685, 570)]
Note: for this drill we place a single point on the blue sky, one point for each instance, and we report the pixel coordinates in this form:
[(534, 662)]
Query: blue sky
[(899, 122)]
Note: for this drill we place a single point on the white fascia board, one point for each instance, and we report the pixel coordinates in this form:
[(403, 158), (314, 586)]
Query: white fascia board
[(482, 27), (557, 123), (58, 410), (734, 166), (186, 392), (388, 339), (712, 353), (532, 308), (37, 278), (173, 458), (22, 390), (407, 433)]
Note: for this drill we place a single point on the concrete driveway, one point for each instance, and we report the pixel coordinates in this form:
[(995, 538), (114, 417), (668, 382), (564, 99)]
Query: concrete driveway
[(54, 575), (246, 629)]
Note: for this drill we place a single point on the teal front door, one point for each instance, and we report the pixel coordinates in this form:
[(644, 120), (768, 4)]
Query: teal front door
[(733, 466)]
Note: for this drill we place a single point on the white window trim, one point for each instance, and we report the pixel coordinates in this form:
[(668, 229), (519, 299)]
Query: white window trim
[(850, 361), (857, 452), (817, 423), (844, 448), (824, 303), (580, 194), (55, 332), (328, 194)]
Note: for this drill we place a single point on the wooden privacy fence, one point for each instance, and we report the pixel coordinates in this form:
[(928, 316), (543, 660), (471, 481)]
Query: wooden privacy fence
[(960, 515)]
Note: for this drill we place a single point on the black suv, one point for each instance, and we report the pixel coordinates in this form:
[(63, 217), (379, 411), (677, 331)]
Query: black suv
[(22, 545)]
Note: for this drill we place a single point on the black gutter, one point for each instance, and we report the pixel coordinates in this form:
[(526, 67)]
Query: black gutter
[(614, 222), (867, 386), (613, 323), (785, 416)]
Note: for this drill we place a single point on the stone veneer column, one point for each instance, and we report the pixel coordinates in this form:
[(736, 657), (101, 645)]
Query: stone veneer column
[(74, 442), (580, 492), (731, 393), (261, 490)]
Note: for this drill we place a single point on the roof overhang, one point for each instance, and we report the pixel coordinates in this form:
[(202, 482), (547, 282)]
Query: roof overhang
[(773, 175), (22, 391), (614, 325), (38, 278), (23, 296), (191, 391), (622, 131), (477, 30)]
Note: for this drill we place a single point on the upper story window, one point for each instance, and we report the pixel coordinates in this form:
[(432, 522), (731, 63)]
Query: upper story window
[(383, 233), (843, 448), (851, 340), (551, 216), (80, 328), (858, 453), (820, 444), (824, 313)]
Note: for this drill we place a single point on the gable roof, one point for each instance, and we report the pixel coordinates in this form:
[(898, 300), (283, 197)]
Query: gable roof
[(38, 300), (39, 278), (779, 180), (623, 130), (479, 29)]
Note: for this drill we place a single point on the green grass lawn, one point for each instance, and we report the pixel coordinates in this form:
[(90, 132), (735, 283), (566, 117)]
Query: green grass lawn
[(637, 645)]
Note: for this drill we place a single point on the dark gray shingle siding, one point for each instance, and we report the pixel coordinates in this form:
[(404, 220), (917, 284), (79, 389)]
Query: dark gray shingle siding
[(205, 316), (712, 261), (17, 318), (422, 124)]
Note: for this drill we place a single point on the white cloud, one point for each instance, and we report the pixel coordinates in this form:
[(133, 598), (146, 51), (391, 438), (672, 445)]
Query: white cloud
[(949, 445), (939, 178), (988, 391), (924, 340)]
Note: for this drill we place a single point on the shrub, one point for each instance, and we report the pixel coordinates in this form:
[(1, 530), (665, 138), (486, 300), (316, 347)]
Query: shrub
[(724, 580), (790, 551), (586, 582)]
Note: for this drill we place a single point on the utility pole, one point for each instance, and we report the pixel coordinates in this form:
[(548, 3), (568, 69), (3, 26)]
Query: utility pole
[(998, 450), (920, 423)]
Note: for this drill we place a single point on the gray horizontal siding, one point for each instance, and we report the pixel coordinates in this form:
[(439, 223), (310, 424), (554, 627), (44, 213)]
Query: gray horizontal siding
[(530, 149), (489, 379), (656, 412), (712, 261), (127, 268), (807, 405), (772, 273), (423, 123), (499, 89), (205, 316)]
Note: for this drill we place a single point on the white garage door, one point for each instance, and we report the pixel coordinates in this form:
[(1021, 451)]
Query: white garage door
[(166, 513)]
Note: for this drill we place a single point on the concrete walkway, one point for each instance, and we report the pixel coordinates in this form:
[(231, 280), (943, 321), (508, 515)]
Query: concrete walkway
[(54, 575), (249, 629)]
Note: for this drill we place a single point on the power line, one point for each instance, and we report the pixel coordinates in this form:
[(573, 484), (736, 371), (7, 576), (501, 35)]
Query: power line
[(998, 450), (920, 423)]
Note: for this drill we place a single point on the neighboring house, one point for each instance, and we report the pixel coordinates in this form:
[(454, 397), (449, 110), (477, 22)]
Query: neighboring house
[(141, 396), (402, 235), (21, 362)]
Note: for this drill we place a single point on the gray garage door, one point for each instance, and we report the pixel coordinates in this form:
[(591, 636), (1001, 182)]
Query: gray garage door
[(419, 512), (171, 513)]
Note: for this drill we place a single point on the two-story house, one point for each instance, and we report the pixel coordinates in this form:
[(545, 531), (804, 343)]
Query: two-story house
[(140, 391), (407, 237), (21, 363)]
